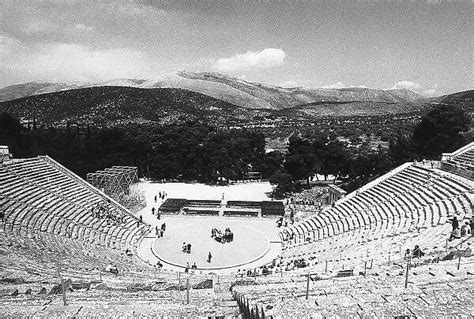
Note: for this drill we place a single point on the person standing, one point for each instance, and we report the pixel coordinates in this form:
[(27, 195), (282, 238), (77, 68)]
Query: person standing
[(465, 229), (454, 222), (417, 252), (209, 257), (186, 270)]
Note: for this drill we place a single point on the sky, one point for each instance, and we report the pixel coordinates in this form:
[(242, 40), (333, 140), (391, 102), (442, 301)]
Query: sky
[(422, 45)]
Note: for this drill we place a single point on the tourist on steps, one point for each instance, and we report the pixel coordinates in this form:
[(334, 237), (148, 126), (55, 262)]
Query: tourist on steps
[(456, 234), (417, 253), (465, 230), (454, 222)]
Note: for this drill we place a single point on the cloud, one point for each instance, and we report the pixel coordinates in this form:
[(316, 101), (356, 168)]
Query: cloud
[(416, 87), (408, 85), (260, 59), (431, 92), (89, 64), (10, 47), (82, 27), (338, 85), (39, 26), (8, 43), (65, 62), (136, 9), (289, 84)]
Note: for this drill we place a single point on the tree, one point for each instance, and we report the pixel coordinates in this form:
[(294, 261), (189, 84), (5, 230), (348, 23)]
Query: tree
[(272, 162), (10, 132), (302, 161), (441, 131), (283, 181), (402, 149), (336, 159)]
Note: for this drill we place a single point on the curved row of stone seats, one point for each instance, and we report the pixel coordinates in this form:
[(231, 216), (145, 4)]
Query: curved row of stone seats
[(41, 253), (424, 197), (465, 159), (107, 303), (55, 217), (387, 226), (38, 193), (434, 290), (132, 281), (43, 241), (340, 253), (99, 299), (48, 219)]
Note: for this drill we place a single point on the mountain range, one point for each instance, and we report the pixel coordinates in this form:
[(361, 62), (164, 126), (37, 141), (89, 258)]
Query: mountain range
[(231, 90), (213, 97)]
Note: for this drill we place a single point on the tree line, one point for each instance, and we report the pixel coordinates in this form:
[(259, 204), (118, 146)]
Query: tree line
[(443, 129), (187, 151), (196, 151)]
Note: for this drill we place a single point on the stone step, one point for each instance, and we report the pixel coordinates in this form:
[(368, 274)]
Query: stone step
[(229, 303)]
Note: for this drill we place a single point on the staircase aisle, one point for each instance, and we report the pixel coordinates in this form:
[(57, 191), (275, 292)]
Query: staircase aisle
[(225, 298)]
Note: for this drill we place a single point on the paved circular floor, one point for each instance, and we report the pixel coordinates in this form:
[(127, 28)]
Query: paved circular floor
[(249, 243)]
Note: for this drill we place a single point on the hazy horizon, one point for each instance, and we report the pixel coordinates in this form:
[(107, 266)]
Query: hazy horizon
[(424, 46)]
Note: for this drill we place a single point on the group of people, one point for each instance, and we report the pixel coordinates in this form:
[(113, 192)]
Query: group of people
[(160, 231), (454, 253), (161, 195), (193, 267), (112, 269), (282, 222), (220, 237), (262, 270), (463, 231), (186, 248), (309, 197), (101, 210), (158, 214), (415, 253)]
